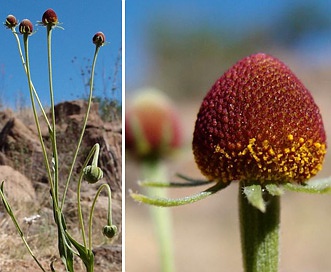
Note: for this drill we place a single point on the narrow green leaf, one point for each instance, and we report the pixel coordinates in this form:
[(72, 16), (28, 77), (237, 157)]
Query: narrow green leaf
[(4, 200), (194, 181), (167, 202), (317, 186), (85, 254), (172, 184)]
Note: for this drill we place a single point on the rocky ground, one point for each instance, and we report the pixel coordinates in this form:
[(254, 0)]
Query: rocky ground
[(26, 186)]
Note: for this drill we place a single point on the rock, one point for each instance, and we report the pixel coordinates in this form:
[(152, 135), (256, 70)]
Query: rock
[(17, 186), (16, 135), (21, 149), (68, 109), (4, 117), (70, 116)]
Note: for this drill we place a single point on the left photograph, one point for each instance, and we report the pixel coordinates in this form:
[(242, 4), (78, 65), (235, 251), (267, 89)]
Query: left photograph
[(61, 136)]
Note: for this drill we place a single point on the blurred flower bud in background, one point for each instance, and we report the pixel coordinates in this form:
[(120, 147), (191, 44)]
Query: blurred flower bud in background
[(152, 128)]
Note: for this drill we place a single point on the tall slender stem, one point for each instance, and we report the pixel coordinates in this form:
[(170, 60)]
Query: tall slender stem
[(24, 66), (84, 125), (161, 217), (26, 49), (259, 233), (51, 94)]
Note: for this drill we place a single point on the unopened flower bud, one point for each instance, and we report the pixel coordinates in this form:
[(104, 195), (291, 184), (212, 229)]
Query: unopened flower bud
[(26, 27), (152, 126), (109, 231), (92, 173), (11, 21), (50, 17), (99, 39)]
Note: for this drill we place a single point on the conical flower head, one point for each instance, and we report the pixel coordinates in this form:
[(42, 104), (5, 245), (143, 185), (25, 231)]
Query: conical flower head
[(26, 27), (259, 124), (99, 39), (11, 21), (49, 18)]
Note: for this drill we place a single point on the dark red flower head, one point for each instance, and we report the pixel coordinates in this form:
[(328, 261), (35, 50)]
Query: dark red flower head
[(50, 18), (258, 123), (26, 27), (99, 39), (11, 21)]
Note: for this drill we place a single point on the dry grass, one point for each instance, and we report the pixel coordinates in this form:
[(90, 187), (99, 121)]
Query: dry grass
[(42, 234)]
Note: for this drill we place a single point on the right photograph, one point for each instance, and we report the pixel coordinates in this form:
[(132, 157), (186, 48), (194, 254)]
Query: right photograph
[(227, 124)]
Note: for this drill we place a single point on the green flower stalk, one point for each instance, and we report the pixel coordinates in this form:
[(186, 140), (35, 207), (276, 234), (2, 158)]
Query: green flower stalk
[(152, 135), (260, 126)]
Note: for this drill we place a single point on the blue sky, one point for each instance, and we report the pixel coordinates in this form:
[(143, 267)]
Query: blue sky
[(81, 20), (234, 16)]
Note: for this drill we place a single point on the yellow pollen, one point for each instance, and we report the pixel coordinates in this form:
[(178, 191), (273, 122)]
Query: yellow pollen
[(290, 137), (297, 161)]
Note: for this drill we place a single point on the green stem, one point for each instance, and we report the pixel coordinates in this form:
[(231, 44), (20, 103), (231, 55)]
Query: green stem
[(33, 88), (84, 125), (161, 217), (26, 49), (79, 205), (259, 233), (80, 213), (109, 215), (51, 94)]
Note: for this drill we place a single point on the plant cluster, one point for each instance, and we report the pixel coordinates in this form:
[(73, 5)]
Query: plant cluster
[(68, 246)]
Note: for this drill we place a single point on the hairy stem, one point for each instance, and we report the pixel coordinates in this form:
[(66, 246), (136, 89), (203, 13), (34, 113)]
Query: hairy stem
[(162, 217), (259, 233)]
